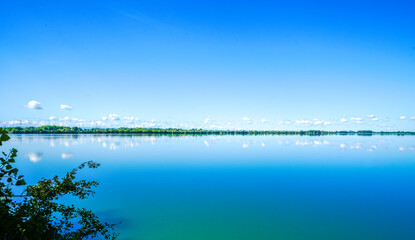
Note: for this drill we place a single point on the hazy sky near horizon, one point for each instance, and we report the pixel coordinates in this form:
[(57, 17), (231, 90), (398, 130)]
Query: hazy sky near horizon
[(209, 64)]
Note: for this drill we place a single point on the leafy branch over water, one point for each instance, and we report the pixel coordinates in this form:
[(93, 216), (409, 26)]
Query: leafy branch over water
[(36, 214), (176, 131)]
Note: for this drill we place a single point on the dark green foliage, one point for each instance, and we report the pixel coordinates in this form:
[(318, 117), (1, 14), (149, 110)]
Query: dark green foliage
[(36, 215), (365, 133), (176, 131)]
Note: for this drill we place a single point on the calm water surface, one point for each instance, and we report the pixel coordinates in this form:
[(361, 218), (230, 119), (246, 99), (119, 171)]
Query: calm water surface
[(239, 187)]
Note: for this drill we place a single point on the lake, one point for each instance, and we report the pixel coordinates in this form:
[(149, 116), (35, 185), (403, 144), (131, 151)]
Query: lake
[(238, 187)]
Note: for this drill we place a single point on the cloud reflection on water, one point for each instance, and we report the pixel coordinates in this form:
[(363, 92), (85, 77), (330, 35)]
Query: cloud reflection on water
[(34, 157), (117, 142)]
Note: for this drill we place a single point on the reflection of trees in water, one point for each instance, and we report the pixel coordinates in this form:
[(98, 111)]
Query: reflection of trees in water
[(118, 141)]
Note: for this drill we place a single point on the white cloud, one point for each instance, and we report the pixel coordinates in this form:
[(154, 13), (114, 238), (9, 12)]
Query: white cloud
[(343, 120), (375, 119), (303, 122), (320, 122), (246, 119), (66, 107), (356, 118), (207, 120), (412, 118), (114, 117), (52, 118), (213, 126), (264, 120), (128, 119), (403, 117), (34, 105), (14, 122), (371, 116), (65, 119), (104, 118), (284, 122)]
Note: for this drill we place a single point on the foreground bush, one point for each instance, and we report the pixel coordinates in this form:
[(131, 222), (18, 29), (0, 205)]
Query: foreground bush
[(35, 214)]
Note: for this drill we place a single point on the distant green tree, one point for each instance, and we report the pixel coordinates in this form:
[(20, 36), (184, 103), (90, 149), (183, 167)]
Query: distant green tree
[(176, 131), (36, 215)]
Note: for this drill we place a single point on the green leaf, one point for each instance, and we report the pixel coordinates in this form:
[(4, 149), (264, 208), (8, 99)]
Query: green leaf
[(20, 182), (4, 137), (9, 180), (14, 171)]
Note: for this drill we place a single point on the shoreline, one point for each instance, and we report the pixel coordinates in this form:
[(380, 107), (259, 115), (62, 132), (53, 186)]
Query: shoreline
[(180, 132)]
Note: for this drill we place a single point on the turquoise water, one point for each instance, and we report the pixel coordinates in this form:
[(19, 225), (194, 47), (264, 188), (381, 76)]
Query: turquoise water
[(239, 187)]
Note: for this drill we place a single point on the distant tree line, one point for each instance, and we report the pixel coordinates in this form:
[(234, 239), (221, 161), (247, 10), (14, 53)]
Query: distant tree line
[(177, 131)]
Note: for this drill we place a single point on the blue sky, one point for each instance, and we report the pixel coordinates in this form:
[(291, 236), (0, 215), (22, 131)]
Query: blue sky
[(209, 64)]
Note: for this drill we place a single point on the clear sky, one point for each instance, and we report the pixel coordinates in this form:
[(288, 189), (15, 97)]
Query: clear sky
[(209, 64)]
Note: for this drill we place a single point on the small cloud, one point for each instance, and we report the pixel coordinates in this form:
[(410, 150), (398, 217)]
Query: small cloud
[(303, 122), (66, 107), (52, 118), (65, 119), (14, 123), (403, 117), (246, 119), (284, 122), (114, 117), (375, 119), (343, 120), (264, 120), (128, 119), (104, 118), (371, 116), (207, 120), (412, 118), (34, 105), (318, 122), (356, 119)]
